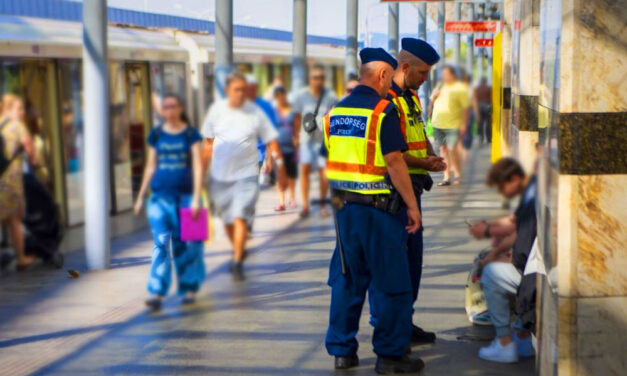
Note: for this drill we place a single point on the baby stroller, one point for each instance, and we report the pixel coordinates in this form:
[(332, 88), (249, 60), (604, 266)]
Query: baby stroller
[(43, 230)]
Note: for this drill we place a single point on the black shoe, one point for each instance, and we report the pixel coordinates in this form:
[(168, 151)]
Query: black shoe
[(403, 364), (154, 304), (238, 272), (420, 336), (346, 362)]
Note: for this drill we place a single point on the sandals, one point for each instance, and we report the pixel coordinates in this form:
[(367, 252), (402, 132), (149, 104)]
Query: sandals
[(304, 213), (279, 208), (444, 183)]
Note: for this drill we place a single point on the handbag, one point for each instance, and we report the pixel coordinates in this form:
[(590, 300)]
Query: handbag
[(194, 229), (309, 120)]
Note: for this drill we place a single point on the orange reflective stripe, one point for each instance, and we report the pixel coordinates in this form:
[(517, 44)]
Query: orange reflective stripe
[(397, 102), (356, 167), (372, 131), (418, 145)]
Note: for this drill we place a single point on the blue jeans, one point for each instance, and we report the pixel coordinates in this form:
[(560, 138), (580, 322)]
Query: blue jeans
[(163, 216), (499, 281)]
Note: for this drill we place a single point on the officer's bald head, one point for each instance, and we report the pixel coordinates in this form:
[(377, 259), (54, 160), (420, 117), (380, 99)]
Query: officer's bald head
[(377, 75)]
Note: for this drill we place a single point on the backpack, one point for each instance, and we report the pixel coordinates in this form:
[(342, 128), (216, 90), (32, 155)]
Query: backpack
[(4, 161)]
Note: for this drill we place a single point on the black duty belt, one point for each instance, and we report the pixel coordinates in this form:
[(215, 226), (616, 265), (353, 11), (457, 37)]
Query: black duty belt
[(390, 203)]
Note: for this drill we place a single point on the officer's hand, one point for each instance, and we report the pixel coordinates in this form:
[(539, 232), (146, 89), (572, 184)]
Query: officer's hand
[(436, 164), (414, 220)]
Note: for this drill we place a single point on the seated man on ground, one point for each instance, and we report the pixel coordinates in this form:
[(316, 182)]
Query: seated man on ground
[(503, 266)]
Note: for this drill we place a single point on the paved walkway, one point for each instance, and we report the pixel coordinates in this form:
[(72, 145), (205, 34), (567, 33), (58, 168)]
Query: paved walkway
[(272, 324)]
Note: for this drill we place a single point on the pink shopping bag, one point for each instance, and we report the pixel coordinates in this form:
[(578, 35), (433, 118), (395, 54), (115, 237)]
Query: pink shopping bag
[(194, 230)]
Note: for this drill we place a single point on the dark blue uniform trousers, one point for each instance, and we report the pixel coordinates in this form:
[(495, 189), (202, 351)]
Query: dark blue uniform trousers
[(375, 252), (414, 259)]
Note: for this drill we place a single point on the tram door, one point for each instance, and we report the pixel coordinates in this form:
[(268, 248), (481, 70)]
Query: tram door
[(33, 81), (130, 120)]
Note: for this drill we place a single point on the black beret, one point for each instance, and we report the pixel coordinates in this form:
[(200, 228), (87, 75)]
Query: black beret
[(369, 54), (420, 49)]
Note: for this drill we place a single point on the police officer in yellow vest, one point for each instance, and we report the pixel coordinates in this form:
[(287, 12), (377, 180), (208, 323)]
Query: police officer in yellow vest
[(415, 60), (363, 143)]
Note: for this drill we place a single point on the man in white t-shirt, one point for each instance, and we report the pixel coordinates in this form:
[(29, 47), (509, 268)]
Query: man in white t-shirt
[(231, 129)]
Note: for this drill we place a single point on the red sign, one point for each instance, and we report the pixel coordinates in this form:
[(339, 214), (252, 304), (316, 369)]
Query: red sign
[(470, 26), (484, 42)]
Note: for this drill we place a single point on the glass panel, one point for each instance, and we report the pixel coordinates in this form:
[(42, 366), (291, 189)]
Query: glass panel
[(71, 101), (9, 77), (34, 84), (120, 148), (137, 84), (166, 78), (207, 86)]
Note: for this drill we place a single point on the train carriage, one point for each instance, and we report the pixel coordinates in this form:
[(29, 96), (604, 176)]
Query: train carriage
[(40, 59)]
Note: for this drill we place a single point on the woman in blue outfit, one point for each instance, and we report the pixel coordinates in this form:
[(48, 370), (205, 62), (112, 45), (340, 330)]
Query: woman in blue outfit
[(174, 173)]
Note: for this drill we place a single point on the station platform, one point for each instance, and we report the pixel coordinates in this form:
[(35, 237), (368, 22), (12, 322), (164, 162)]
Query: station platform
[(272, 324)]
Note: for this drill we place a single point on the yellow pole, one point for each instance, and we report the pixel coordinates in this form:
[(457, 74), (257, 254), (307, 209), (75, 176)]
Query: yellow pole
[(496, 97)]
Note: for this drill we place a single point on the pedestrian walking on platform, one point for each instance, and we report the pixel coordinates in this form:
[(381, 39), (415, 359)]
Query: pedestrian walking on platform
[(415, 61), (231, 130), (310, 105), (285, 120), (483, 110), (450, 108), (174, 174), (363, 141)]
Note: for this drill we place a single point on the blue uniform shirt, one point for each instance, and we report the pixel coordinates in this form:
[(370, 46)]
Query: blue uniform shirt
[(391, 136)]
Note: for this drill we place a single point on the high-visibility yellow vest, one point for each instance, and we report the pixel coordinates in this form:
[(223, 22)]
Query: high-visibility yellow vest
[(352, 138), (413, 128)]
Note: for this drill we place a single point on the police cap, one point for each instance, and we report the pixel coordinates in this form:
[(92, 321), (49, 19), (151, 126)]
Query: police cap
[(370, 54), (420, 49)]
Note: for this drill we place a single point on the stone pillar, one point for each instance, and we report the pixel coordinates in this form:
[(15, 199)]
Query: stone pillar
[(470, 40), (582, 217), (224, 46), (441, 35), (393, 29), (506, 77), (97, 134), (299, 45), (457, 37), (351, 38), (425, 90), (525, 81)]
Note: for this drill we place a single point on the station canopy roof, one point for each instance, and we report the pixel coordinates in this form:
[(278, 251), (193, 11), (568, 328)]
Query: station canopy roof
[(65, 10)]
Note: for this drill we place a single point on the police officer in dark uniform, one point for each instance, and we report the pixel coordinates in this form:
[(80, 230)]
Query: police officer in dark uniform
[(364, 143), (415, 61)]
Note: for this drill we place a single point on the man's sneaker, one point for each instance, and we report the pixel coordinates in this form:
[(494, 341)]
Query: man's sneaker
[(499, 353), (524, 345), (403, 364), (346, 362), (420, 336)]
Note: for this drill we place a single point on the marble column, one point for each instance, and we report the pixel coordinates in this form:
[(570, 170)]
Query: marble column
[(582, 327), (525, 69)]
